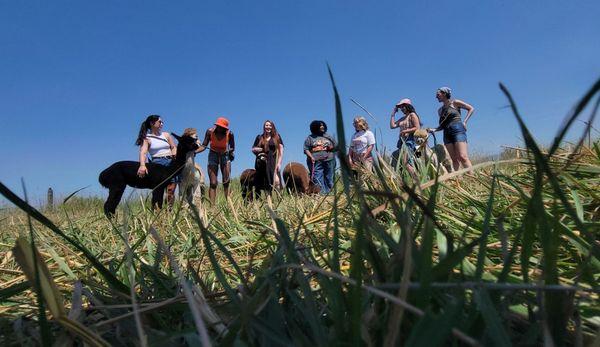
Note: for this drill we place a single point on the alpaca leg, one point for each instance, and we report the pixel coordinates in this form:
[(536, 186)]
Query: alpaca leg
[(114, 197), (171, 193), (157, 197)]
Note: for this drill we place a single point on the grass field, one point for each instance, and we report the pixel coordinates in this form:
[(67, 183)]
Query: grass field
[(505, 254)]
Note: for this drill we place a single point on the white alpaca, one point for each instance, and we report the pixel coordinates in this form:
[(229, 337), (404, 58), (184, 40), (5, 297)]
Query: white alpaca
[(436, 154), (191, 186)]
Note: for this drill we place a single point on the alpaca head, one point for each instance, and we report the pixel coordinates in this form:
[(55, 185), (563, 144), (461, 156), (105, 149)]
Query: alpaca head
[(421, 136), (261, 161), (186, 144)]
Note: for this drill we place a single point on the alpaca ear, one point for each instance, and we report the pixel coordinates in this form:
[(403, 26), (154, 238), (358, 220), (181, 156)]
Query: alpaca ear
[(177, 137)]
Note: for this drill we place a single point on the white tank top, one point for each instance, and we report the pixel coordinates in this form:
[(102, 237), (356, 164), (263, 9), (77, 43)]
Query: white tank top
[(159, 146)]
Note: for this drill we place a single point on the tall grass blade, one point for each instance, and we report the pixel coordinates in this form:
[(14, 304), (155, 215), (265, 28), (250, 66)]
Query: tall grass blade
[(494, 329), (341, 134), (73, 194)]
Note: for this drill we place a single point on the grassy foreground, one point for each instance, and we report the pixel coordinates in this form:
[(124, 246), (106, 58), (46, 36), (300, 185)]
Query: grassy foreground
[(507, 254)]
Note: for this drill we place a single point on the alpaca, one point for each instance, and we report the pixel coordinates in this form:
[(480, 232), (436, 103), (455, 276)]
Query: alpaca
[(295, 177), (247, 183), (124, 173), (192, 179), (253, 181), (437, 154)]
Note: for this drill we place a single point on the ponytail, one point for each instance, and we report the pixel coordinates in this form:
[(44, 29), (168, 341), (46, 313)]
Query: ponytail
[(146, 125)]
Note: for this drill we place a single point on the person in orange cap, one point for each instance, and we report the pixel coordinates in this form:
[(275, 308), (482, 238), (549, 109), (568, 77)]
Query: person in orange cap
[(222, 144)]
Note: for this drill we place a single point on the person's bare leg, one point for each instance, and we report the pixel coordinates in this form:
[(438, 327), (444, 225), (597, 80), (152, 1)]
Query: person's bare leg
[(226, 171), (462, 154), (453, 155), (212, 176)]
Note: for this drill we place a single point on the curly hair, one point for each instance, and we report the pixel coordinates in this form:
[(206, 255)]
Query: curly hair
[(315, 127)]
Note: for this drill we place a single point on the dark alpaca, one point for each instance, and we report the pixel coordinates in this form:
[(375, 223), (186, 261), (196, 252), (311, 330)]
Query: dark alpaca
[(124, 173), (254, 181), (295, 177), (247, 182)]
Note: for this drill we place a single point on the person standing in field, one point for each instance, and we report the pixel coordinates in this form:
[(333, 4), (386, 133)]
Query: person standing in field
[(361, 145), (455, 130), (159, 146), (222, 145), (271, 144), (408, 124), (319, 148)]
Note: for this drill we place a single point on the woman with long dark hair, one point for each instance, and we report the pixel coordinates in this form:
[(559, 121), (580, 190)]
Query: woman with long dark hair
[(319, 148), (271, 144), (408, 124), (157, 145), (455, 130)]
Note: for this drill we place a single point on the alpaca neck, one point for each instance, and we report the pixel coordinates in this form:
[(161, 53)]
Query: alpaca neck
[(179, 160)]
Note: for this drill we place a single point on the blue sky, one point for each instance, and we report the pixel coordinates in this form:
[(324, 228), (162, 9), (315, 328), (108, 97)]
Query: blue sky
[(78, 77)]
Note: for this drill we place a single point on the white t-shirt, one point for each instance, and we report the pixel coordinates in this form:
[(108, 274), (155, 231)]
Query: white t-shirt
[(361, 140)]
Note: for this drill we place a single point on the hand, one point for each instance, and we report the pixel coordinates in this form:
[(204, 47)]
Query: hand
[(311, 158), (430, 130), (231, 156), (142, 171)]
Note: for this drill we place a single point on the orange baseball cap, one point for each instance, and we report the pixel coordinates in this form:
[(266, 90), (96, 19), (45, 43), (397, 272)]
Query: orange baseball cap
[(222, 122)]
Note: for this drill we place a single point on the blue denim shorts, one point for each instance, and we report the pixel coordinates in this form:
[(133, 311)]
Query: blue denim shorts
[(164, 161), (455, 132), (408, 142), (217, 159)]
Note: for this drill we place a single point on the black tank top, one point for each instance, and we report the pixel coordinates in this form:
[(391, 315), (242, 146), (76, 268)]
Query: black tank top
[(448, 114)]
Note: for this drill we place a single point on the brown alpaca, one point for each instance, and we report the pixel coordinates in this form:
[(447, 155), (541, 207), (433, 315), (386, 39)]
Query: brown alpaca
[(247, 182), (295, 177)]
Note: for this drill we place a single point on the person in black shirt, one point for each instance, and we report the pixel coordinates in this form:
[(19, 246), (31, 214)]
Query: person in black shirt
[(271, 144)]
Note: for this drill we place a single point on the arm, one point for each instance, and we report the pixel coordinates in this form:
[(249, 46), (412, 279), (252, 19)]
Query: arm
[(368, 152), (307, 146), (439, 127), (255, 148), (171, 143), (309, 155), (393, 123), (280, 157), (142, 171), (205, 142), (350, 153), (470, 109), (231, 142)]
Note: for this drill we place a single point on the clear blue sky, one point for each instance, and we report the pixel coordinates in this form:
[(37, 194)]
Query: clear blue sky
[(78, 77)]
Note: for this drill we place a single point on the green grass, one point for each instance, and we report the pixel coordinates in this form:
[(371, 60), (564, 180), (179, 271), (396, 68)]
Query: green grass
[(507, 254)]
